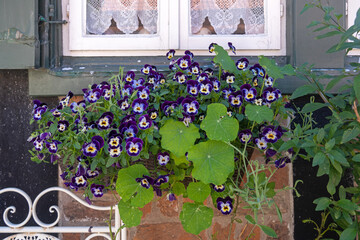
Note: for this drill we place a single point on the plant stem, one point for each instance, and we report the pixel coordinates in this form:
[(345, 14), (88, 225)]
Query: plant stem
[(233, 216)]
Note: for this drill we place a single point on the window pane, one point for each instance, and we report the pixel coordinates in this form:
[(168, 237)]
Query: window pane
[(121, 17), (225, 17)]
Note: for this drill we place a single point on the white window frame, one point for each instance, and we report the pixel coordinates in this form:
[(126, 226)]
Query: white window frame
[(172, 34), (352, 7)]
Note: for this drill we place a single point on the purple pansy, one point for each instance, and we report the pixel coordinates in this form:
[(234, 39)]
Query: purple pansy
[(106, 92), (39, 111), (153, 114), (245, 136), (143, 93), (184, 62), (261, 143), (90, 149), (212, 47), (248, 92), (128, 129), (38, 144), (195, 68), (271, 134), (227, 92), (190, 106), (129, 77), (75, 106), (138, 83), (97, 190), (139, 105), (145, 122), (171, 197), (62, 125), (224, 205), (268, 81), (187, 119), (232, 47), (192, 87), (236, 99), (202, 77), (92, 173), (115, 152), (205, 87), (79, 181), (280, 163), (160, 180), (180, 77), (168, 107), (104, 122), (134, 146), (271, 94), (218, 188), (145, 181), (216, 85), (65, 101), (52, 146), (163, 158), (124, 104), (56, 113), (93, 95), (114, 140), (146, 69), (170, 54), (127, 90), (242, 63), (229, 77)]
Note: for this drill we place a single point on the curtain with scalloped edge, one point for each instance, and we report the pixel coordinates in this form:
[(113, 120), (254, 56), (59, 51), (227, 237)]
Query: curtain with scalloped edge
[(127, 14), (224, 16)]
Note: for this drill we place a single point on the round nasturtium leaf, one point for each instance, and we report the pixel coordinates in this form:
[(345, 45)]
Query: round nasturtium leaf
[(178, 138), (126, 185), (198, 191), (130, 215), (218, 125), (213, 161), (258, 114), (196, 217)]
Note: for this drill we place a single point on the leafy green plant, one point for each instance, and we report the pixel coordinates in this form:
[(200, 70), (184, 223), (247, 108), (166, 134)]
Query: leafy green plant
[(334, 148)]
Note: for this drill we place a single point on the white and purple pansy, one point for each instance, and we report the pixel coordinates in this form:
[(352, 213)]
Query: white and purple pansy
[(133, 146), (270, 94), (187, 119), (145, 181), (160, 180), (104, 122), (152, 77), (138, 83), (224, 205), (180, 77), (218, 188), (76, 106), (62, 125), (170, 54), (145, 122), (65, 101), (52, 146), (248, 92), (184, 62), (79, 181), (114, 139), (146, 69), (97, 190), (189, 53), (163, 158), (280, 163), (115, 152), (192, 87), (129, 77), (90, 149), (245, 136), (227, 92), (205, 87), (128, 129), (232, 47), (202, 77), (212, 47), (268, 81), (171, 197), (39, 111), (38, 144), (269, 153), (139, 105), (236, 99), (209, 72), (168, 107), (190, 106), (106, 92), (195, 68), (261, 143), (123, 103), (216, 85), (271, 134), (92, 173), (242, 63), (143, 93), (161, 78), (255, 81), (229, 78), (93, 95), (127, 90), (56, 112)]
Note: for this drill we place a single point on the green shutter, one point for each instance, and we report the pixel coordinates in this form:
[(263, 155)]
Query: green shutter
[(18, 34)]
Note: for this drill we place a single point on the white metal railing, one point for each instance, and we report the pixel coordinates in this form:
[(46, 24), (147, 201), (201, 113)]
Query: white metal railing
[(42, 229)]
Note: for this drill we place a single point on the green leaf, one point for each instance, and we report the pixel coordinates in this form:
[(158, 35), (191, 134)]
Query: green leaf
[(198, 191), (306, 7), (330, 144), (268, 231), (130, 215), (178, 188), (333, 82), (356, 158), (320, 136), (126, 184), (303, 90), (196, 217), (347, 205), (319, 159), (349, 233), (328, 34), (339, 157), (342, 192), (222, 58), (213, 161), (311, 107), (218, 125), (258, 114), (178, 138), (271, 67), (288, 70), (179, 160), (250, 219), (279, 213), (143, 196), (322, 203), (357, 87)]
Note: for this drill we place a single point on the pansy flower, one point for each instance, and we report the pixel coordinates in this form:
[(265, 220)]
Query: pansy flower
[(97, 190), (143, 93), (65, 101), (128, 129), (79, 181), (38, 144), (242, 63), (218, 188), (227, 92), (127, 90), (258, 101), (138, 83), (56, 111), (171, 197), (134, 146), (129, 77), (152, 77), (160, 180), (139, 106), (268, 81), (114, 140), (248, 92), (261, 143), (187, 119), (145, 122), (192, 87), (124, 104), (146, 69), (91, 149), (163, 158), (75, 106), (184, 62), (145, 181), (205, 87), (209, 72), (170, 54), (216, 85), (232, 47), (104, 122), (189, 53), (236, 99), (202, 77), (190, 106), (245, 136), (271, 94), (180, 77), (269, 153), (62, 125), (224, 205), (229, 78), (93, 95), (255, 81), (195, 68), (161, 78), (280, 163), (271, 134), (92, 173), (115, 152), (39, 111), (168, 107), (106, 92), (212, 47), (52, 146), (153, 114)]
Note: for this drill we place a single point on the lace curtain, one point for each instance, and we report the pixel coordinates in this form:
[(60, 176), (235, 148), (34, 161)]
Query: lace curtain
[(125, 13), (224, 15)]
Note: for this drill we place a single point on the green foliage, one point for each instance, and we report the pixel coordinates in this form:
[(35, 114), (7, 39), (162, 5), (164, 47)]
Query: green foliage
[(198, 191), (196, 217), (259, 114), (130, 215)]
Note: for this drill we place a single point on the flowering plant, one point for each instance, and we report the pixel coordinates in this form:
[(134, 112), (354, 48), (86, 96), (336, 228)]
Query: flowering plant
[(190, 133)]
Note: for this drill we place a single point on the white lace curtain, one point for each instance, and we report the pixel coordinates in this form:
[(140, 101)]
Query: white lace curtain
[(224, 15), (126, 14)]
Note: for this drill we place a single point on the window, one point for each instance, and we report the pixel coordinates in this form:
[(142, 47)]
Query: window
[(352, 8), (151, 27)]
